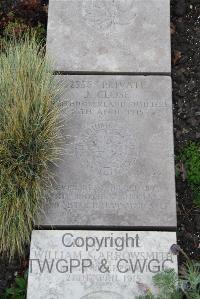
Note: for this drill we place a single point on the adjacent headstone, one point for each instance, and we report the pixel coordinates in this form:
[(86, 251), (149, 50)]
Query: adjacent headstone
[(117, 167), (110, 35), (97, 264)]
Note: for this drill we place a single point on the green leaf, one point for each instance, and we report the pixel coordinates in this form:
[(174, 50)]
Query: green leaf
[(20, 281), (10, 291)]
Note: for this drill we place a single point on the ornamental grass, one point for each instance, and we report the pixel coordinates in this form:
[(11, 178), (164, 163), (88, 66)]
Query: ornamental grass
[(29, 138)]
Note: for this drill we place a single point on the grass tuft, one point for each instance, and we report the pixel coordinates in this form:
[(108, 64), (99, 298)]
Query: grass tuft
[(29, 138), (191, 158)]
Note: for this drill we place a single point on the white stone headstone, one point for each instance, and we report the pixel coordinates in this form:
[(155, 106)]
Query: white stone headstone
[(110, 35), (96, 264), (117, 167)]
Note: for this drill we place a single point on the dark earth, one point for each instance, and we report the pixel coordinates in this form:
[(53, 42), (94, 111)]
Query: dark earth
[(185, 29), (185, 32)]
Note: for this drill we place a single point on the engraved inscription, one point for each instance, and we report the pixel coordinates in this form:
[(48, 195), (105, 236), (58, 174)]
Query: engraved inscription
[(103, 295), (117, 152), (105, 147), (108, 15), (110, 97), (104, 196)]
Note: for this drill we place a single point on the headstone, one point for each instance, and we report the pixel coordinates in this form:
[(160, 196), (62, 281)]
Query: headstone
[(117, 167), (117, 164), (110, 35), (97, 264)]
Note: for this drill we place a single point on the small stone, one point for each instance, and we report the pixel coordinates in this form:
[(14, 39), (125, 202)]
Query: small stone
[(175, 249)]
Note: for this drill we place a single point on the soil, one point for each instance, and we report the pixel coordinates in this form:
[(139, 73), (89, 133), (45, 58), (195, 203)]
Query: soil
[(30, 12), (185, 32), (185, 29)]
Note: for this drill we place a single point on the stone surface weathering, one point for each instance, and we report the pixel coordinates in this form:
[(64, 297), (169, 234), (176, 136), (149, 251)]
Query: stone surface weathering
[(110, 35), (118, 161)]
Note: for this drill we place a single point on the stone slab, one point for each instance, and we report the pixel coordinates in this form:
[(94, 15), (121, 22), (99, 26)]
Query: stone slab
[(110, 36), (97, 264), (117, 166)]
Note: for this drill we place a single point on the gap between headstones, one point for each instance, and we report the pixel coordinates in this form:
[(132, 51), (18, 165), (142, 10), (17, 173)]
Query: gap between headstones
[(106, 228), (63, 73)]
